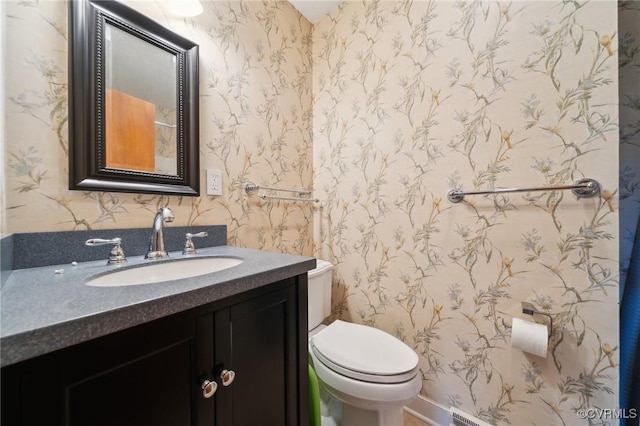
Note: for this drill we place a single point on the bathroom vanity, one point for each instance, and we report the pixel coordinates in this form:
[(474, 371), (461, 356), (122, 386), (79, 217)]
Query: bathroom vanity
[(225, 348)]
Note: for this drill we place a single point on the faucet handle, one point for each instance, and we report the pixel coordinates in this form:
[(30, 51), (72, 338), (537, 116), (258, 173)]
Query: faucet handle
[(117, 254), (189, 248)]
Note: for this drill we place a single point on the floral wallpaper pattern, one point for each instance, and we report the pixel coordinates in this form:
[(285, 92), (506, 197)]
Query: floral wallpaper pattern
[(255, 124), (414, 98), (403, 100)]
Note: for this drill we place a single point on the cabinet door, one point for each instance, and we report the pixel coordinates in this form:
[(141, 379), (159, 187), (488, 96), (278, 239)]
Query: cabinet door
[(204, 400), (153, 390), (32, 393), (144, 376), (257, 340), (141, 376)]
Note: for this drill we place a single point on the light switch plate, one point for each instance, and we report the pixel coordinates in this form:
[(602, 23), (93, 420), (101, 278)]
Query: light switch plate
[(214, 182)]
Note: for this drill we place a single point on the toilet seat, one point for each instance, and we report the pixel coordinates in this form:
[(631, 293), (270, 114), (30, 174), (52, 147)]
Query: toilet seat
[(364, 353)]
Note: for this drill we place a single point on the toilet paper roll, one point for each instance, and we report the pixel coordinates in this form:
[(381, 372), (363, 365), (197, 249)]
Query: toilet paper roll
[(529, 337)]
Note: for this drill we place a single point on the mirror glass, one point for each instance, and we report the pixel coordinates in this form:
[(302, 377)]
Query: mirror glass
[(133, 104), (140, 112)]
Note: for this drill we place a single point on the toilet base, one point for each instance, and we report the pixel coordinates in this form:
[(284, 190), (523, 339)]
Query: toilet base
[(354, 416), (337, 412)]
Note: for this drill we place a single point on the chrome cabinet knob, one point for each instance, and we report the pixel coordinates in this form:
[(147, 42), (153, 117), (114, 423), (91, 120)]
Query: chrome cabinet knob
[(209, 388), (227, 377)]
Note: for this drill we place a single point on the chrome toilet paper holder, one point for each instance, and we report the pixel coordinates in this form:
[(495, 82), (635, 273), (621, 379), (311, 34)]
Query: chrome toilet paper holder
[(529, 309)]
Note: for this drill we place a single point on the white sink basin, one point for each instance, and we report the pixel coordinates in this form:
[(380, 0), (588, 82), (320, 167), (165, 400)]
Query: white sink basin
[(163, 271)]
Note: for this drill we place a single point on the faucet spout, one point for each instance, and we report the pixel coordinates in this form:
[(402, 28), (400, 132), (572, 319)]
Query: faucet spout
[(156, 244)]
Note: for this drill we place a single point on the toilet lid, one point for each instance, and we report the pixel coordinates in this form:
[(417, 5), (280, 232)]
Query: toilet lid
[(364, 353)]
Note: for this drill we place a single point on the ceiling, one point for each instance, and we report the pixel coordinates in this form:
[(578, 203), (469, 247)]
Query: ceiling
[(314, 10)]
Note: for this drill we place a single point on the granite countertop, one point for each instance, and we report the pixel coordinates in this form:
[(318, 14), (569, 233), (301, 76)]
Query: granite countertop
[(41, 311)]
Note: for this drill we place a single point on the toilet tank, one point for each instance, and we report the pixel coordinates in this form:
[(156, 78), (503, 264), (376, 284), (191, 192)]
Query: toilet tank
[(319, 293)]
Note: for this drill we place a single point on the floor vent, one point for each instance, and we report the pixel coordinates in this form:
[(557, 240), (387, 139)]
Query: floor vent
[(460, 418)]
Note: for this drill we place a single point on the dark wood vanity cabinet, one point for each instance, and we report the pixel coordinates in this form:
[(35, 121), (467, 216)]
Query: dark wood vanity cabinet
[(153, 374)]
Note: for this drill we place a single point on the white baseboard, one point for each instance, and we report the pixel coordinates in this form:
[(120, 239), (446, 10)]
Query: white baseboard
[(429, 411)]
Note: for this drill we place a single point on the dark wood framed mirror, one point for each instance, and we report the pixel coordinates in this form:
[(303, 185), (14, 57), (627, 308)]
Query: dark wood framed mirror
[(133, 103)]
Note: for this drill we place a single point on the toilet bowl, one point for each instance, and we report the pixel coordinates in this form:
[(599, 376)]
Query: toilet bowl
[(369, 372)]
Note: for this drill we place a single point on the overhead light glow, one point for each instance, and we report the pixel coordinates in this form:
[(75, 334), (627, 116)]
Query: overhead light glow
[(185, 8)]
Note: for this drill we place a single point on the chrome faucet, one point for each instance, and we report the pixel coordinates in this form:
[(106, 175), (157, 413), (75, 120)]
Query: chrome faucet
[(156, 244)]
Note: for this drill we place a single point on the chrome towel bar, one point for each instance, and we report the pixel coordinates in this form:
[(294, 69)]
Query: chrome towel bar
[(582, 188), (302, 194)]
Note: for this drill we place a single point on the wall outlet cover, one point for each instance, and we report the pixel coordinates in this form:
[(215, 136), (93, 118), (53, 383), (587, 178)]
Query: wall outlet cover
[(214, 182)]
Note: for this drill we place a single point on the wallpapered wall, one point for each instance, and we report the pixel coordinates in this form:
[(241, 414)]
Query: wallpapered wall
[(255, 124), (413, 99)]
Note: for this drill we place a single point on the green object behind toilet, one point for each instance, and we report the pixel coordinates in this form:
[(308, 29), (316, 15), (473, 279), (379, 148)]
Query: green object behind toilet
[(314, 398)]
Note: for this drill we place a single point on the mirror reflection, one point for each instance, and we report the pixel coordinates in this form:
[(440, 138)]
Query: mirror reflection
[(140, 112)]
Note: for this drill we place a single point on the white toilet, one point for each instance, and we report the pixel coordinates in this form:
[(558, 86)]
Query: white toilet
[(372, 374)]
